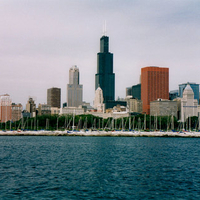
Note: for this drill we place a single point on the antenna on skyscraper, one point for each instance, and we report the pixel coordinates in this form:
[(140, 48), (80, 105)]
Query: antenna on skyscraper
[(104, 28)]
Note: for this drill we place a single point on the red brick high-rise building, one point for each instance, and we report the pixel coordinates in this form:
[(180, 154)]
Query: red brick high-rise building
[(5, 108), (154, 85)]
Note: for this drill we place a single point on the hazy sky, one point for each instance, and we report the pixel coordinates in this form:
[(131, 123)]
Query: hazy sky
[(41, 39)]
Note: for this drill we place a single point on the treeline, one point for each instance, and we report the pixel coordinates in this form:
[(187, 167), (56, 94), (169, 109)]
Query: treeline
[(69, 122)]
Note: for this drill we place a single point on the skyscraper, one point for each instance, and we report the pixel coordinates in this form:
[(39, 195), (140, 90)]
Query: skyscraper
[(53, 97), (154, 85), (189, 105), (74, 90), (136, 91), (5, 108), (105, 78), (31, 107), (194, 86)]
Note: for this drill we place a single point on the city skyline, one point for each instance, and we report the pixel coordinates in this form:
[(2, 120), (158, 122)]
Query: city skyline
[(41, 40)]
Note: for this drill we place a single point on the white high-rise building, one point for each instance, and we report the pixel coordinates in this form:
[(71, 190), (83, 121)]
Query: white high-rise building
[(98, 100), (74, 90), (189, 105)]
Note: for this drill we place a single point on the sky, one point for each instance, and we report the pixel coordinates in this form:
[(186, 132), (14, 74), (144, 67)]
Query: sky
[(40, 40)]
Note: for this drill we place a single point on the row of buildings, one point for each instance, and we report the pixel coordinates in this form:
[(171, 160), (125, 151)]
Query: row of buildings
[(150, 96), (181, 108)]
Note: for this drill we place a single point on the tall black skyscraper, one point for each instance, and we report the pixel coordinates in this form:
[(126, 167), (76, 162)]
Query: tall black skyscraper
[(105, 78)]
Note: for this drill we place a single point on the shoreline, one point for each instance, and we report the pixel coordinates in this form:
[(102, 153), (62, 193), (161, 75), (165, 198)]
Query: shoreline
[(101, 133)]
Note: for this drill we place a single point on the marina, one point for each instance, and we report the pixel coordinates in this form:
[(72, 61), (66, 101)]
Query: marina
[(102, 133)]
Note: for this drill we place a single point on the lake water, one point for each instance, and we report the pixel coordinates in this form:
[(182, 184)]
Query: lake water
[(37, 167)]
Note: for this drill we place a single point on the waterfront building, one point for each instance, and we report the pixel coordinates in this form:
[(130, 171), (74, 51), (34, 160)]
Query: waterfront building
[(135, 105), (118, 115), (111, 104), (154, 85), (54, 97), (31, 107), (74, 89), (194, 86), (163, 107), (72, 110), (5, 108), (16, 111), (119, 108), (127, 99), (98, 100), (189, 105), (87, 107), (112, 113), (55, 111), (173, 94), (44, 109), (105, 78)]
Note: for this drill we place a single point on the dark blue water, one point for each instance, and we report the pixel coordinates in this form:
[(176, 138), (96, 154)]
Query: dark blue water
[(99, 168)]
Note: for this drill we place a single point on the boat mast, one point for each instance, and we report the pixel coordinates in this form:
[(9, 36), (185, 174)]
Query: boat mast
[(139, 124), (65, 123), (160, 123), (189, 123), (145, 122), (199, 121), (133, 122), (172, 122), (155, 122), (46, 122), (73, 120), (94, 123), (35, 122), (27, 123), (57, 123), (99, 123), (149, 122), (113, 123)]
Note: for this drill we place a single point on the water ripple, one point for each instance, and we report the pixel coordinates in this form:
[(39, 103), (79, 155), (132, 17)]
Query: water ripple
[(99, 168)]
